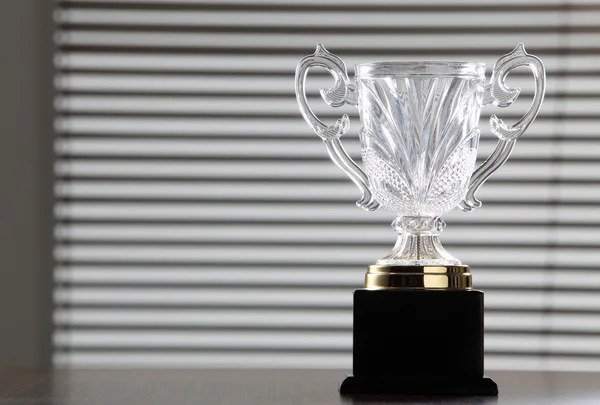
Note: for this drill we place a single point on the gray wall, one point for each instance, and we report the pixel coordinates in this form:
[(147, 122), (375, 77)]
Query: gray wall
[(25, 181)]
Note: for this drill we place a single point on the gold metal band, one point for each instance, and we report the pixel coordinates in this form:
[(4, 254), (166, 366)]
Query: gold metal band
[(418, 277)]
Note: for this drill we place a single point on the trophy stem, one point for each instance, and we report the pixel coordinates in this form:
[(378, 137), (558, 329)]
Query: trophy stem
[(418, 260), (418, 244)]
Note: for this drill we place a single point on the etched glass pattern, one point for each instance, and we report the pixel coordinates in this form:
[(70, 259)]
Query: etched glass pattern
[(419, 140)]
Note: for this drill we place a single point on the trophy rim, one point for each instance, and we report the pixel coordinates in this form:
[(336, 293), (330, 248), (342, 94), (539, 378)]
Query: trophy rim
[(434, 68)]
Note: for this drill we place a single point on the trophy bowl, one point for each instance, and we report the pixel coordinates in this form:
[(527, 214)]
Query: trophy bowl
[(419, 141)]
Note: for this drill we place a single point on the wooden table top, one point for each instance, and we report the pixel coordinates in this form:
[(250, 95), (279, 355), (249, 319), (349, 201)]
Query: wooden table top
[(265, 387)]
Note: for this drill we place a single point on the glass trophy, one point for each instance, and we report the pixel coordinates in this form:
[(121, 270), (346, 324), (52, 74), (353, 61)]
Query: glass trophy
[(418, 324)]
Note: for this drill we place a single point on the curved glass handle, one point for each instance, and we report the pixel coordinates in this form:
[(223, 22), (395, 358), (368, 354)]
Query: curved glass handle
[(497, 93), (342, 93)]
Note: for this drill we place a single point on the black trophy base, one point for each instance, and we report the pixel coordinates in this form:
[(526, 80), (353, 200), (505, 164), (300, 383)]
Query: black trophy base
[(418, 341), (353, 385)]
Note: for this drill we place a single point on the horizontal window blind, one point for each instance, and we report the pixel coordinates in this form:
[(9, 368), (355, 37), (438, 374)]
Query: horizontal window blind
[(200, 223)]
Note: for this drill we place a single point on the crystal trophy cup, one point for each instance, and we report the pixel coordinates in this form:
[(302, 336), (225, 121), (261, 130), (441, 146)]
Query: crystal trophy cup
[(418, 324)]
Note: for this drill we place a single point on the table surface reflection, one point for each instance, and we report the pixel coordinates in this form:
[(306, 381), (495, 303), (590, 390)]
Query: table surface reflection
[(265, 387)]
